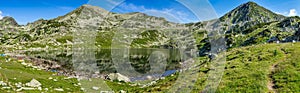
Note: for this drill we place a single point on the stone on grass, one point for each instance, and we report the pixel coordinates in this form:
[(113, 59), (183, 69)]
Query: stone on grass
[(33, 83), (55, 80), (58, 89), (18, 90), (3, 83), (18, 85), (27, 88), (95, 88), (50, 78), (40, 88), (122, 91), (119, 77), (5, 87)]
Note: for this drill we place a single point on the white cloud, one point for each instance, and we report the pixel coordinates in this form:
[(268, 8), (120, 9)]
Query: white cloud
[(112, 2), (293, 12), (168, 13), (279, 13), (65, 8), (1, 16)]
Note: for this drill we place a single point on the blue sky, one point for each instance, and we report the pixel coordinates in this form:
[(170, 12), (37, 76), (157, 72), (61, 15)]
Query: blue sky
[(25, 11)]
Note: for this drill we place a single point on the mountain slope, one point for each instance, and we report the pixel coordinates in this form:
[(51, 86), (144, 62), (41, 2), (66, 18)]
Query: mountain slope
[(249, 26), (249, 14)]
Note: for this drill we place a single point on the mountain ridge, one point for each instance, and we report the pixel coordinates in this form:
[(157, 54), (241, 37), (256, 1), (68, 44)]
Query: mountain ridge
[(242, 20)]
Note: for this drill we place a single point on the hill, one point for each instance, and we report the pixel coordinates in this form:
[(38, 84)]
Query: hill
[(262, 45)]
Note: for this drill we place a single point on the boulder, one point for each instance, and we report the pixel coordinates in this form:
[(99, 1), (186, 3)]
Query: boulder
[(95, 88), (58, 89), (33, 83), (119, 77)]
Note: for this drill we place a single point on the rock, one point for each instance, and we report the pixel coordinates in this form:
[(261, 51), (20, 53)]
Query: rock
[(27, 88), (75, 85), (58, 89), (3, 83), (119, 77), (33, 83), (82, 89), (23, 63), (149, 77), (18, 85), (50, 78), (20, 89), (55, 80), (95, 88), (5, 87), (122, 91), (40, 88), (66, 78)]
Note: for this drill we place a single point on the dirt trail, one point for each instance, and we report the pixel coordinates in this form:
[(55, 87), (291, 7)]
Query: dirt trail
[(272, 69), (271, 82)]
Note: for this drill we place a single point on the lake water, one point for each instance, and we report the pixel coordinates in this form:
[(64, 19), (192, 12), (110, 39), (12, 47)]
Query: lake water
[(139, 58)]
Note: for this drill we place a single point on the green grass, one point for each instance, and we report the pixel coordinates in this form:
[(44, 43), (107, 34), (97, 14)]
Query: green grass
[(64, 39), (13, 72), (287, 74), (248, 69)]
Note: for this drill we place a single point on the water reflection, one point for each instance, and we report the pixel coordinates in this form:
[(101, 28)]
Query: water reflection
[(139, 59)]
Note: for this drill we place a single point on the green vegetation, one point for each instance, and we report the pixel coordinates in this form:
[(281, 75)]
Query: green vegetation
[(13, 72), (64, 39), (287, 73), (254, 62), (249, 69), (147, 37)]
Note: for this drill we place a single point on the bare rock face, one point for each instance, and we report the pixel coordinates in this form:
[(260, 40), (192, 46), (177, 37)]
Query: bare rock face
[(33, 83)]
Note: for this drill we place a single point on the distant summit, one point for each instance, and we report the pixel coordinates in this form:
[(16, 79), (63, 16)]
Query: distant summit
[(251, 11), (8, 21)]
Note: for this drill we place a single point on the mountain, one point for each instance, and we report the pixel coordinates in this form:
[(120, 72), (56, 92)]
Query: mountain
[(250, 24), (59, 31), (250, 12), (93, 27), (245, 25), (8, 21), (247, 30), (8, 24)]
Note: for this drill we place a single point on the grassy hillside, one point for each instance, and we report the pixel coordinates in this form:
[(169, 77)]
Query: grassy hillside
[(13, 72), (260, 68)]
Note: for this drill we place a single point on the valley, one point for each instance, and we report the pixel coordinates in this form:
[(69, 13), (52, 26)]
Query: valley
[(81, 51)]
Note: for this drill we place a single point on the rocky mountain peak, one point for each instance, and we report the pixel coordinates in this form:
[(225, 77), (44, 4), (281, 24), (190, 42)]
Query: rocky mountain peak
[(95, 8), (251, 11), (83, 12), (9, 21)]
